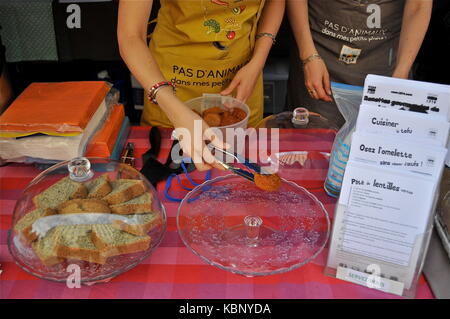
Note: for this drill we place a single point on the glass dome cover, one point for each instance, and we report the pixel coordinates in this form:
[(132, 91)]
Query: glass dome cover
[(230, 223), (98, 214)]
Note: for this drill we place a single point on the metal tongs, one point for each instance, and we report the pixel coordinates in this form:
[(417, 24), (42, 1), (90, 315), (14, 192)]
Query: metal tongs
[(219, 155)]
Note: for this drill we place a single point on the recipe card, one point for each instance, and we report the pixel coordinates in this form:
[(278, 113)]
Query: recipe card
[(429, 99), (422, 97), (408, 125), (395, 154), (381, 223)]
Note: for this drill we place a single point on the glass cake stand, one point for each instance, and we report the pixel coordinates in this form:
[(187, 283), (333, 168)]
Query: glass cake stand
[(82, 170), (231, 224)]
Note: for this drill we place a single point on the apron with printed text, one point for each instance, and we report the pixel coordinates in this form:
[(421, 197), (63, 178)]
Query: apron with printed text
[(354, 38), (200, 45)]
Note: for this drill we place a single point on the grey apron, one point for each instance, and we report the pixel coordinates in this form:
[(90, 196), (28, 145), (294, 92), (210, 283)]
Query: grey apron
[(355, 38)]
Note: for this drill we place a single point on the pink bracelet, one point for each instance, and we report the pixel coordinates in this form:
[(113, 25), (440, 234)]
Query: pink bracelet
[(155, 88)]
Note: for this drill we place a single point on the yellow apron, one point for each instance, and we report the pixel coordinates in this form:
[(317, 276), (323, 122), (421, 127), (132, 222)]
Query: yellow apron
[(200, 45)]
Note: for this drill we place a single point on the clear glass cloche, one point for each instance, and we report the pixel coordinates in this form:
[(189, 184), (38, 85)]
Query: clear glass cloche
[(89, 216)]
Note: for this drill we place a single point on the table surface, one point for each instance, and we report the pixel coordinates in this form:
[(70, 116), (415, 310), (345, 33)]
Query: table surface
[(173, 271)]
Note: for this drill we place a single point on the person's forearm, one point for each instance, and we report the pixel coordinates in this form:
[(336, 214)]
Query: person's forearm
[(270, 21), (142, 64), (299, 20), (416, 18), (132, 38), (6, 93)]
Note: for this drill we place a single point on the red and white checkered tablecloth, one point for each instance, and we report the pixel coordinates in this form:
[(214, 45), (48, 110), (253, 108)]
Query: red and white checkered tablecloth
[(173, 271)]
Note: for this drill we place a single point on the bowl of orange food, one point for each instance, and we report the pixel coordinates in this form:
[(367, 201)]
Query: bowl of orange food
[(221, 111)]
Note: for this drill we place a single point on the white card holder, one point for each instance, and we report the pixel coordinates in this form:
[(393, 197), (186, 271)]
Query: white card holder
[(381, 229)]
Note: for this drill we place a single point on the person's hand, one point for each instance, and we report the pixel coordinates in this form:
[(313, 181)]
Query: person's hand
[(317, 80), (244, 81), (192, 133)]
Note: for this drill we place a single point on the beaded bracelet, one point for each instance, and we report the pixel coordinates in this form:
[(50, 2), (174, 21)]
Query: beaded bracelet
[(155, 88), (266, 34)]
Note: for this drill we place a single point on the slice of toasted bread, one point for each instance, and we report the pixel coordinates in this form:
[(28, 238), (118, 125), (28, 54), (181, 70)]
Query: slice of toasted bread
[(75, 243), (139, 225), (24, 225), (78, 206), (60, 192), (138, 205), (113, 242), (124, 190), (99, 187), (45, 248)]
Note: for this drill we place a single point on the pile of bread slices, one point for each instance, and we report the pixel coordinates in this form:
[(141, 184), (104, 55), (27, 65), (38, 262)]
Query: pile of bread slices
[(94, 242)]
